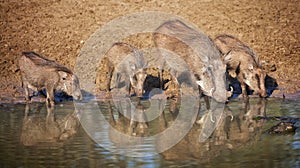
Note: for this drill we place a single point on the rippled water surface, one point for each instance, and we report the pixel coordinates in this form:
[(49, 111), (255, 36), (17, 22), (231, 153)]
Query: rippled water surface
[(34, 136)]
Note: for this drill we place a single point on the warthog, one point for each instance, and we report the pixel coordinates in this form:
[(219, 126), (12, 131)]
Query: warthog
[(129, 63), (39, 72), (242, 63), (199, 53)]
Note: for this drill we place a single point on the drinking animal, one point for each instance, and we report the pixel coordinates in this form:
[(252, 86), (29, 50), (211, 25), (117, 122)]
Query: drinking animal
[(199, 53), (39, 72), (243, 64), (129, 67)]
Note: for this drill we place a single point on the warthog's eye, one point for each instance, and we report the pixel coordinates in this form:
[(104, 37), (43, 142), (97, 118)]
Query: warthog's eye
[(63, 78)]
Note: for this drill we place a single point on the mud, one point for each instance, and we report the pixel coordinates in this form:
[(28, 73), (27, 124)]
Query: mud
[(59, 28)]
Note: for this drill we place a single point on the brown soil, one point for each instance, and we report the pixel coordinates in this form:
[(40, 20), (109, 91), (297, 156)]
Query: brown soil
[(58, 29)]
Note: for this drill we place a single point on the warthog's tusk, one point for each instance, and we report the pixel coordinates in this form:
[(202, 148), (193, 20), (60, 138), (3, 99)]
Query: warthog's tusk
[(211, 91)]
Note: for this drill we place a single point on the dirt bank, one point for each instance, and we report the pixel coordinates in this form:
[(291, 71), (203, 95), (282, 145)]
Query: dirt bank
[(58, 29)]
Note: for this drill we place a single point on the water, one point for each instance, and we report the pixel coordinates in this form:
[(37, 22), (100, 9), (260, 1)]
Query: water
[(63, 140)]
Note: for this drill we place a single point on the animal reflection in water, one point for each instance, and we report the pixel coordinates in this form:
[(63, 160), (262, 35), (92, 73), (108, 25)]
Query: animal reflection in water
[(234, 126), (235, 129), (123, 126), (129, 125), (39, 129)]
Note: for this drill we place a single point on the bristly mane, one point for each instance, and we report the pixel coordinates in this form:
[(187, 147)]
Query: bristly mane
[(43, 61), (32, 54)]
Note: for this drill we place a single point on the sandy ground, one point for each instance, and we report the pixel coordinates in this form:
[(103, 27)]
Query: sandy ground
[(59, 28)]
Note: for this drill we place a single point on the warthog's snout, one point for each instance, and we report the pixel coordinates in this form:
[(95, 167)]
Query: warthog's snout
[(77, 96), (137, 82), (139, 92), (261, 93)]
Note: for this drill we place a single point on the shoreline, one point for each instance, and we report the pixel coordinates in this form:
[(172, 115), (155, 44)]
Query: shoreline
[(105, 97)]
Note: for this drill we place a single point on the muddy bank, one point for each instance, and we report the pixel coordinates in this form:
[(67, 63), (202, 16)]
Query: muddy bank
[(58, 30)]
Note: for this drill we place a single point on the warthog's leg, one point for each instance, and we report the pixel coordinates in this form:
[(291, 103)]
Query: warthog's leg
[(244, 90), (108, 82), (262, 80), (206, 99), (27, 97), (50, 96), (160, 75), (130, 88), (207, 103)]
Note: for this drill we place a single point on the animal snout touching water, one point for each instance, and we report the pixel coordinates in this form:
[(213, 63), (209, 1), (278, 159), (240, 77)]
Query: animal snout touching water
[(137, 82), (199, 53), (242, 63), (127, 69), (39, 73)]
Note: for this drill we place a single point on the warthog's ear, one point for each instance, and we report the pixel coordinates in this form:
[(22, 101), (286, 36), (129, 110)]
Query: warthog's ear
[(63, 75), (250, 67), (200, 83), (132, 66), (75, 78), (227, 57), (145, 65), (232, 73), (268, 67), (229, 64)]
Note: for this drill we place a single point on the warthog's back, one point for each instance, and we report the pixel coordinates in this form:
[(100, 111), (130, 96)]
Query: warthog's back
[(35, 70), (38, 61), (227, 43)]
